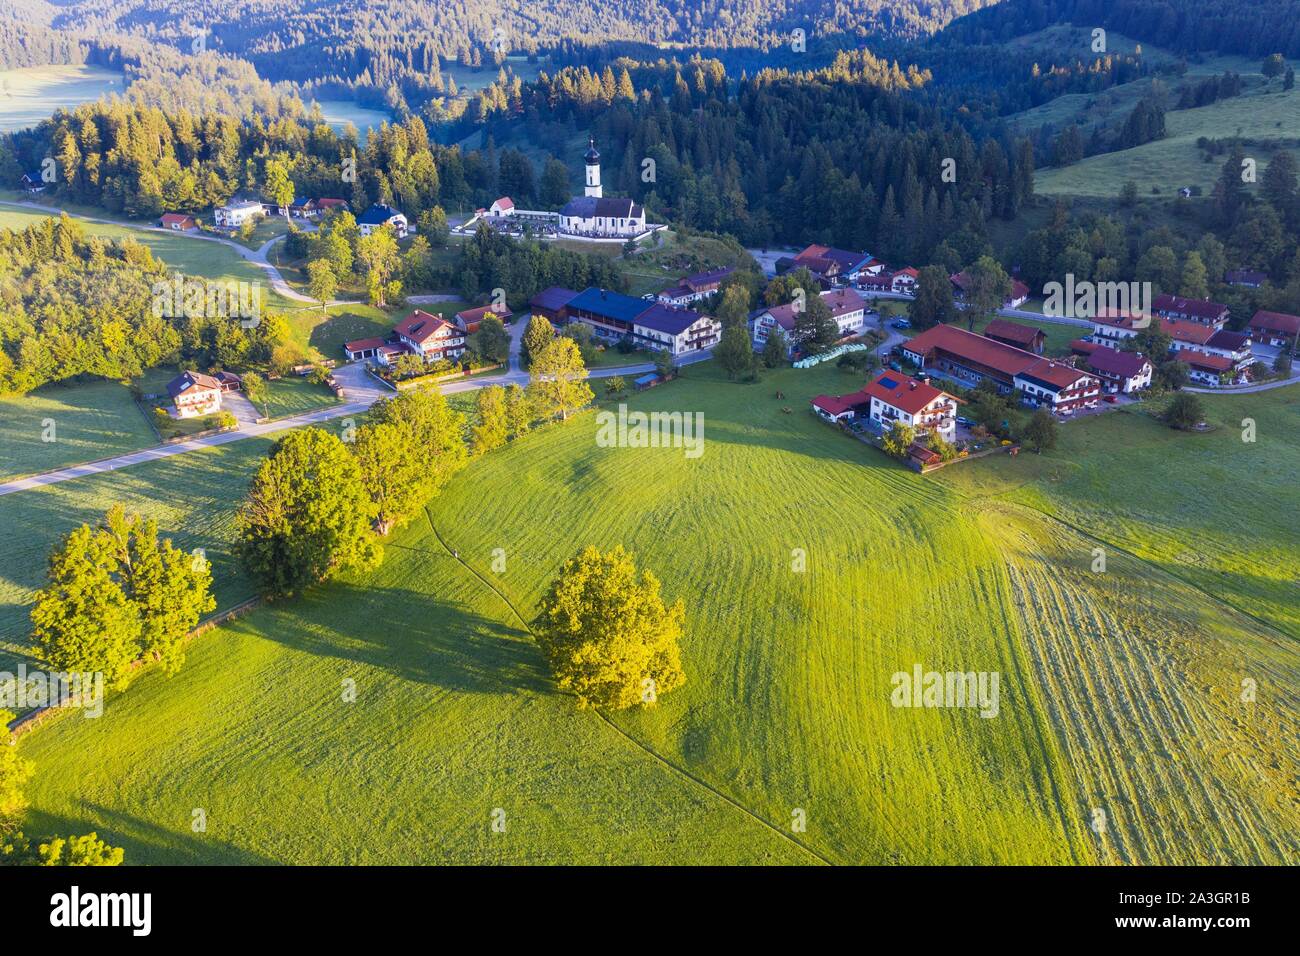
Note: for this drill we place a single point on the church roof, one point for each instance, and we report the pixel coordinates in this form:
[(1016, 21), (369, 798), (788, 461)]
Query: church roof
[(592, 155), (609, 207)]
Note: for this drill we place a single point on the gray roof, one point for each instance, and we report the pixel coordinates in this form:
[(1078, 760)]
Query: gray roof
[(608, 207)]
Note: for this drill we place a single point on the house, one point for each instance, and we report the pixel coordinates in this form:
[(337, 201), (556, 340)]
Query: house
[(1123, 372), (1057, 385), (1202, 311), (961, 284), (178, 222), (1275, 328), (1039, 381), (836, 266), (305, 209), (1187, 335), (696, 287), (32, 183), (505, 206), (470, 319), (840, 408), (1112, 328), (1233, 345), (234, 214), (1084, 347), (551, 304), (904, 281), (194, 394), (380, 214), (612, 315), (848, 309), (1213, 370), (1248, 278), (1013, 333), (894, 397), (333, 205), (431, 337)]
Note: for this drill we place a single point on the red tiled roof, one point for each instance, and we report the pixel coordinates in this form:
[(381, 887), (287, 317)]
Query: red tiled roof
[(1202, 308), (1006, 359), (505, 202), (1181, 330), (474, 316), (839, 404), (1276, 322), (171, 217), (360, 345), (1121, 320), (922, 454), (840, 301), (1014, 331), (907, 271), (902, 392), (189, 382), (1054, 373), (1084, 347), (1215, 363), (1116, 362), (420, 326)]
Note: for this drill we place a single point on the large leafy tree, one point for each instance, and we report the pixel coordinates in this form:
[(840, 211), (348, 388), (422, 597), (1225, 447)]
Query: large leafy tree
[(607, 633), (391, 472), (735, 353), (307, 515), (559, 379), (432, 430), (988, 288), (537, 336), (492, 340), (815, 329), (1040, 431), (933, 303), (493, 424)]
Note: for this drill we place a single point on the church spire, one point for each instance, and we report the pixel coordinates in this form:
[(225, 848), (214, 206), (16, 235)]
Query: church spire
[(593, 168)]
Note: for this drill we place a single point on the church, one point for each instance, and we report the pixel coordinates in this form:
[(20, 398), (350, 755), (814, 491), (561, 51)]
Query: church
[(592, 215)]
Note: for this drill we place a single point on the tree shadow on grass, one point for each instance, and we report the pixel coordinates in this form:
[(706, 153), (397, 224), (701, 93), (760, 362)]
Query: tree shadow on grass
[(145, 842), (412, 635)]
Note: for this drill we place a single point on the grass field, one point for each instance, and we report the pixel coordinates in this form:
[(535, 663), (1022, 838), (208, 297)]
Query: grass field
[(1059, 336), (91, 420), (338, 113), (1119, 690), (292, 395), (31, 94)]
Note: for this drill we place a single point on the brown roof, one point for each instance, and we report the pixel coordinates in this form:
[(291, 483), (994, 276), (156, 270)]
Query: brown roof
[(840, 301), (475, 316), (1057, 374), (1201, 308), (421, 326), (903, 392), (1116, 362), (361, 345), (1276, 322), (1006, 359), (1215, 363), (1013, 332), (188, 382), (1181, 330), (839, 404)]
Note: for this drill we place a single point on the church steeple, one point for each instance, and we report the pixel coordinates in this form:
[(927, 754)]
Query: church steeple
[(593, 169)]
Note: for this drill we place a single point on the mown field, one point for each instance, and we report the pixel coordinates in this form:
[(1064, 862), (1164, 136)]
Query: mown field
[(1119, 690), (30, 94)]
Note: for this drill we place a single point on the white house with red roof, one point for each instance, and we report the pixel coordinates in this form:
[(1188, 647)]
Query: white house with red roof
[(1058, 386), (848, 309), (1120, 371), (1202, 311), (894, 397), (961, 284), (1212, 370), (194, 394), (1277, 329), (505, 206)]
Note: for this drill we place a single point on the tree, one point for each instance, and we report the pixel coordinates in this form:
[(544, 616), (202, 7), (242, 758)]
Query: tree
[(321, 281), (987, 288), (1194, 283), (433, 226), (170, 589), (615, 386), (776, 350), (279, 187), (1274, 65), (607, 633), (492, 341), (537, 336), (665, 364), (815, 329), (1282, 364), (1184, 411), (735, 352), (87, 850), (254, 387), (377, 255), (307, 515), (933, 302), (1040, 431), (391, 473), (559, 378), (734, 307), (82, 620), (432, 429), (14, 774), (898, 439), (555, 183), (1128, 193), (493, 422), (519, 410)]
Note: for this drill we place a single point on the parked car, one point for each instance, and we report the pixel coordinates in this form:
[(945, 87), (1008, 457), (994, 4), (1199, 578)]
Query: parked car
[(900, 324), (894, 366), (968, 422)]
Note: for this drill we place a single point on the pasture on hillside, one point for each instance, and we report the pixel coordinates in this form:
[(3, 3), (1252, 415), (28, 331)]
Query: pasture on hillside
[(813, 569)]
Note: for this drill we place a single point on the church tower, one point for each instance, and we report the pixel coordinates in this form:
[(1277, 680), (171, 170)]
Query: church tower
[(593, 169)]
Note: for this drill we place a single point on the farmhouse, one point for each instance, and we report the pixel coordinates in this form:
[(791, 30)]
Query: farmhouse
[(696, 287), (1207, 369), (1040, 381), (470, 319), (1187, 335), (1013, 333), (1275, 328), (848, 309), (895, 397), (613, 315), (833, 266), (840, 408), (305, 209), (552, 304), (1112, 328), (194, 394), (904, 281), (429, 336), (1123, 372), (233, 215), (961, 284), (32, 183), (1202, 311), (178, 222), (379, 215)]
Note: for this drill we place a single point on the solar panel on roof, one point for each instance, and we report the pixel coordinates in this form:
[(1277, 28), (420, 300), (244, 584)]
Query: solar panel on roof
[(889, 382)]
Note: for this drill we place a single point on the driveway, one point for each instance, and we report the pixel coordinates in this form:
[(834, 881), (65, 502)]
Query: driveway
[(237, 404)]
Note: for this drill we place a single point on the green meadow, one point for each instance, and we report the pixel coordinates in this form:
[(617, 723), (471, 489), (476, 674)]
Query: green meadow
[(31, 94), (813, 569)]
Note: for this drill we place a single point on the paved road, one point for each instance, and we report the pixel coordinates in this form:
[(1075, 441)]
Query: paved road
[(360, 391), (256, 256), (1246, 389)]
